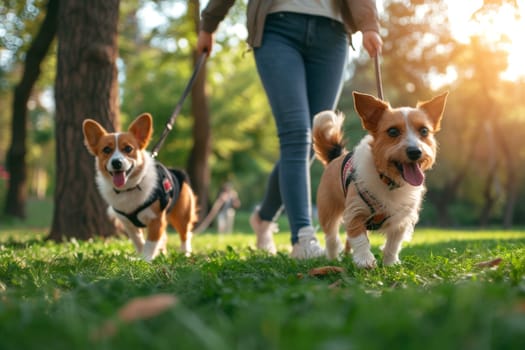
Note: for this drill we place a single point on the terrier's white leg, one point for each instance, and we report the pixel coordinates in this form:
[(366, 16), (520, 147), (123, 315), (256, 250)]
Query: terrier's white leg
[(361, 253), (392, 248)]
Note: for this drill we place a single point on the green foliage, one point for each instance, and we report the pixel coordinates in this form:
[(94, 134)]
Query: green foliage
[(482, 128), (230, 296), (19, 22)]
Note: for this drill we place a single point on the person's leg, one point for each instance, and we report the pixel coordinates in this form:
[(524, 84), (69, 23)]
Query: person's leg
[(280, 64), (325, 58), (272, 196)]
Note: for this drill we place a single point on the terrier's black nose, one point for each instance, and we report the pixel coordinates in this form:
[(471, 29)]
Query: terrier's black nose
[(116, 164), (413, 153)]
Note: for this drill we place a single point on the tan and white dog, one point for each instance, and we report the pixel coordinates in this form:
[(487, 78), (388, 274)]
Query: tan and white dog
[(141, 192), (380, 184)]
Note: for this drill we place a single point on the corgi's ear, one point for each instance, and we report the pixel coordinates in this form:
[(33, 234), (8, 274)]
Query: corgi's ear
[(142, 128), (434, 108), (370, 109), (93, 131)]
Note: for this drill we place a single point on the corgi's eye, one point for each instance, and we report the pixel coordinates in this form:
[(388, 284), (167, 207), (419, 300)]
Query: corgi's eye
[(393, 132), (107, 150), (424, 131), (128, 149)]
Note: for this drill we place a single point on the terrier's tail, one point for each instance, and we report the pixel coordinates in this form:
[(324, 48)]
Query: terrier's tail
[(328, 136)]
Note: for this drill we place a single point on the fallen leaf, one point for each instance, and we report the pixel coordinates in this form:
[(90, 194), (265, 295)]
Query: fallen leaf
[(147, 307), (136, 309), (325, 270), (490, 263)]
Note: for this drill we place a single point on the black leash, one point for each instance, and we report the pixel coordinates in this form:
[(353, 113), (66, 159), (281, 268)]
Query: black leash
[(178, 107)]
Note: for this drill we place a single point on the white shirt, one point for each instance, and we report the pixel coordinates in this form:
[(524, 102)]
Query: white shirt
[(323, 8)]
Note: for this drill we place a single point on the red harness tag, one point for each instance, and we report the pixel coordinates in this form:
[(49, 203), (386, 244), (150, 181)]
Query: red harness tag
[(166, 184)]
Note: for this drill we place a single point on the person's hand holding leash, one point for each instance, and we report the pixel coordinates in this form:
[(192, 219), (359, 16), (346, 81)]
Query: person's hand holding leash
[(372, 43), (204, 42)]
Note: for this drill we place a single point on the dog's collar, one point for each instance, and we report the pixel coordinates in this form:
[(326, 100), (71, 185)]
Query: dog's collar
[(392, 185), (348, 174)]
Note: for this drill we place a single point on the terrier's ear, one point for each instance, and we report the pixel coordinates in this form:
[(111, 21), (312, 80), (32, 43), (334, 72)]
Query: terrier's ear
[(434, 108), (370, 109), (142, 128), (93, 131)]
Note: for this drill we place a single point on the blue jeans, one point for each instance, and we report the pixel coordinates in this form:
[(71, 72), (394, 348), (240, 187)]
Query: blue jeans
[(300, 63)]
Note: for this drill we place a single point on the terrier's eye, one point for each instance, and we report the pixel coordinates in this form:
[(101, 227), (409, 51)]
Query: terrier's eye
[(128, 149), (393, 132), (107, 150), (424, 131)]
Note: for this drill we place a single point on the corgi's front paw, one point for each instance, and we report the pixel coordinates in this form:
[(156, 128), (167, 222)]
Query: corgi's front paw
[(185, 248), (185, 245), (152, 249)]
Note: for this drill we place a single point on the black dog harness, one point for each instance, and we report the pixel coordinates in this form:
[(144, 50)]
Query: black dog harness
[(377, 217), (166, 191)]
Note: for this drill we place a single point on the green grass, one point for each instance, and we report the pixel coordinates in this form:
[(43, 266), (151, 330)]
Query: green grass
[(57, 296)]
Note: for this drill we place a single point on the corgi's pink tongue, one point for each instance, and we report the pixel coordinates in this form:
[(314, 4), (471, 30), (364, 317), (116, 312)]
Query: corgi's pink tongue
[(119, 178), (412, 174)]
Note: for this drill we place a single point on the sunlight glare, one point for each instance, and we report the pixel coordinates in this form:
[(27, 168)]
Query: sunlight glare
[(492, 28)]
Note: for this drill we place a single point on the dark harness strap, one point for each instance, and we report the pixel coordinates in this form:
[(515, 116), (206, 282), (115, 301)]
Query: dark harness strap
[(347, 171), (166, 191), (377, 218)]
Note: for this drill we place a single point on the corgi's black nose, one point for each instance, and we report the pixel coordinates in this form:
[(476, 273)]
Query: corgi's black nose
[(413, 153), (116, 164)]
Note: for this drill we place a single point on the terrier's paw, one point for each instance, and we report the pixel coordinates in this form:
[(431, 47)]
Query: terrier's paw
[(365, 260), (391, 259)]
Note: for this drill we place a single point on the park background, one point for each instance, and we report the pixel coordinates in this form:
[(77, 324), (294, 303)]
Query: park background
[(226, 132), (458, 287)]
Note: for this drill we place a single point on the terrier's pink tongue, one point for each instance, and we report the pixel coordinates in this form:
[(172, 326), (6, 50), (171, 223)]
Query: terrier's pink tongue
[(119, 178), (412, 174)]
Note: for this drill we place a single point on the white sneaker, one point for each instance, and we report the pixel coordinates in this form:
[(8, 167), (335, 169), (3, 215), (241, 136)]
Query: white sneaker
[(264, 231), (308, 246)]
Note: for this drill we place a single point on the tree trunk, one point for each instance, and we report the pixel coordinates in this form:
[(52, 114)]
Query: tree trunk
[(86, 86), (17, 192), (511, 194), (492, 165), (511, 183), (198, 168), (489, 196)]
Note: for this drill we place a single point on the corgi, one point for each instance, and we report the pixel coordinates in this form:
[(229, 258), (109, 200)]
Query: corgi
[(380, 184), (141, 193)]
